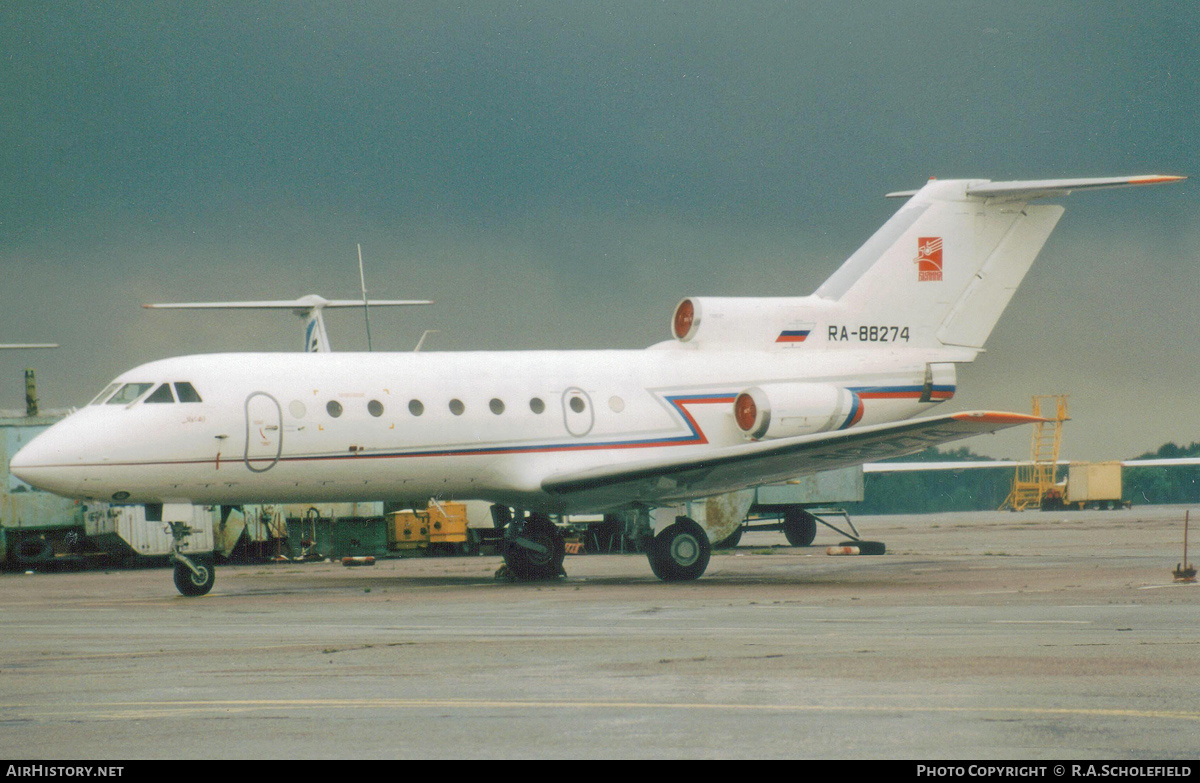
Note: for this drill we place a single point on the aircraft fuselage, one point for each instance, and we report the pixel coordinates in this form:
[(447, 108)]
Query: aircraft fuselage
[(411, 426)]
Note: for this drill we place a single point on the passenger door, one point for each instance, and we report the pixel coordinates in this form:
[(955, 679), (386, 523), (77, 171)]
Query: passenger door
[(264, 432)]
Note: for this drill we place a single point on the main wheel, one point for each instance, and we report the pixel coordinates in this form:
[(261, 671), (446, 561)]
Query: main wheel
[(195, 584), (529, 564), (799, 526), (680, 552)]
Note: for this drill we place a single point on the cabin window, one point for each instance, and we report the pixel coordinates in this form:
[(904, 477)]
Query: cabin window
[(457, 407), (416, 407), (129, 393), (375, 408), (497, 406), (536, 405), (161, 394), (334, 408), (616, 404), (186, 392), (577, 404), (102, 396)]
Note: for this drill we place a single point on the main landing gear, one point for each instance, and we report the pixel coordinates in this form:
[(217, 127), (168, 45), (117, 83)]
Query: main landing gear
[(533, 548), (680, 552)]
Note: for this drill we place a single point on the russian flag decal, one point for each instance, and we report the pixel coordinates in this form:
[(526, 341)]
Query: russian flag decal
[(797, 333)]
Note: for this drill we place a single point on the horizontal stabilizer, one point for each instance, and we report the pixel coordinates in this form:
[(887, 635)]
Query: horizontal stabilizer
[(316, 339), (735, 467), (1024, 190), (304, 303)]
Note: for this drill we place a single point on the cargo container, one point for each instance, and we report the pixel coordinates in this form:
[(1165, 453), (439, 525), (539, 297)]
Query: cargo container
[(1088, 485)]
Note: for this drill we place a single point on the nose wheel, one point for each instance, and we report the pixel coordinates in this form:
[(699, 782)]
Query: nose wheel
[(194, 575)]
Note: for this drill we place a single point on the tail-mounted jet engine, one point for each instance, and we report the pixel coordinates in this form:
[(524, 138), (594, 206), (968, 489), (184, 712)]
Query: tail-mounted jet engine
[(781, 410), (718, 321)]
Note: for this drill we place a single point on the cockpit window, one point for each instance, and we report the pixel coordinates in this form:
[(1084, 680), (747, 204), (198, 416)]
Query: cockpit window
[(186, 392), (161, 394), (102, 396), (129, 393)]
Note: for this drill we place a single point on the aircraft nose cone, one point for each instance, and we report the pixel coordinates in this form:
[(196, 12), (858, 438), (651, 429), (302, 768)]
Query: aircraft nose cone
[(29, 463), (44, 463)]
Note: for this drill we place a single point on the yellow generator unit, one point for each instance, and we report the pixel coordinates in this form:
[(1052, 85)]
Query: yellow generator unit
[(440, 526)]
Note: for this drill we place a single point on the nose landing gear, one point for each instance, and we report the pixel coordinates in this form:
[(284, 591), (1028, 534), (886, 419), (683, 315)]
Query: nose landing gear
[(195, 574)]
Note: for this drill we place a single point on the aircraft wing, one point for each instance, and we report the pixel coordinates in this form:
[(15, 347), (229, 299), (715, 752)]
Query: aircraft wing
[(918, 467), (736, 467)]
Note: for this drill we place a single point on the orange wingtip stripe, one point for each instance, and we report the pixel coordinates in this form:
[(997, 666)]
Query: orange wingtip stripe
[(1153, 180), (997, 417)]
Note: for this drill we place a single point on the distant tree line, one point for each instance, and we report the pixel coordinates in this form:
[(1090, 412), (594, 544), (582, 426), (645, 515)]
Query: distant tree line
[(982, 489), (1167, 484)]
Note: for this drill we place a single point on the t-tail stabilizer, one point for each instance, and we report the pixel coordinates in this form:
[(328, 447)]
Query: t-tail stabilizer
[(938, 275), (949, 261), (316, 339)]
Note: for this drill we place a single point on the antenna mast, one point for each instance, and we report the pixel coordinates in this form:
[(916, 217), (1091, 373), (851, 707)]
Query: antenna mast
[(362, 278)]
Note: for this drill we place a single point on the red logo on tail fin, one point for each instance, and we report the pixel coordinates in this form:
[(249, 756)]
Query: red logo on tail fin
[(929, 258)]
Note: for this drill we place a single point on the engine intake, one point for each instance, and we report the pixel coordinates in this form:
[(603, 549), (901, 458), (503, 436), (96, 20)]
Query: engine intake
[(732, 321), (784, 410)]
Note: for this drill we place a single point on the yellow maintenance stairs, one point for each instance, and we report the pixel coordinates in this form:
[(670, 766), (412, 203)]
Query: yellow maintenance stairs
[(1033, 480)]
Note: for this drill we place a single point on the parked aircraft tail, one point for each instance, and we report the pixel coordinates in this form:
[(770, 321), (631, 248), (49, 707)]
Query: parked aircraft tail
[(938, 274), (948, 262)]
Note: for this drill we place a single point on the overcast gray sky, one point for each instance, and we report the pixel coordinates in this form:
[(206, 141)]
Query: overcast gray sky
[(559, 175)]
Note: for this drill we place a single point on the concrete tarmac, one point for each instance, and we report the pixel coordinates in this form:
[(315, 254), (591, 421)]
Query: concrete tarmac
[(1040, 635)]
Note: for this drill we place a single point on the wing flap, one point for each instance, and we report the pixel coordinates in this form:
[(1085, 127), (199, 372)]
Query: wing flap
[(737, 467)]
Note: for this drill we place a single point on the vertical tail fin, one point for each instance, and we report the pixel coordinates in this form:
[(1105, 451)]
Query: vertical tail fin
[(947, 263), (316, 339)]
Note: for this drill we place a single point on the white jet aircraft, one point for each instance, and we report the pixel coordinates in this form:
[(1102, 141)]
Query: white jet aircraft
[(747, 391)]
